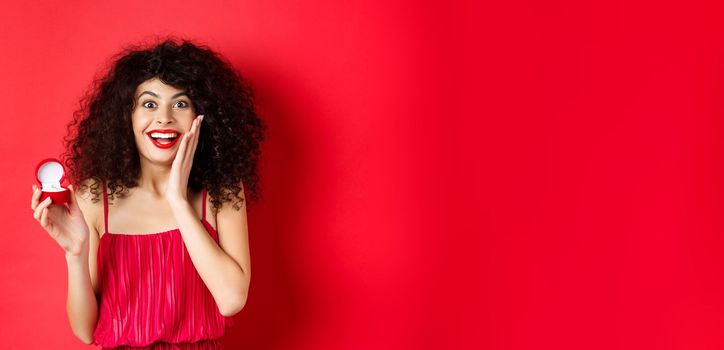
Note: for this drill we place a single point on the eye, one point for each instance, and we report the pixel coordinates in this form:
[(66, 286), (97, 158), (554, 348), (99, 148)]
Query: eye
[(184, 103), (144, 104)]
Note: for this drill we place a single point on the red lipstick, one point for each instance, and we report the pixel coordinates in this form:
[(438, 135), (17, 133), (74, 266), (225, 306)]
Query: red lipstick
[(164, 145)]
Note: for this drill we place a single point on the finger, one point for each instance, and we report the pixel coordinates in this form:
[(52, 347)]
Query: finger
[(36, 197), (180, 154), (197, 135), (195, 139), (189, 142), (178, 161), (192, 138), (198, 123), (189, 147), (44, 218), (39, 209)]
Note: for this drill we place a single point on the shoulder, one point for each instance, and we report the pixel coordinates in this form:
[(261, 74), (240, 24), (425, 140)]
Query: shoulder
[(84, 195), (231, 217), (237, 203), (85, 198), (233, 231)]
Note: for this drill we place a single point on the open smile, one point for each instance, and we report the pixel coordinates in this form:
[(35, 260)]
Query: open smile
[(163, 138)]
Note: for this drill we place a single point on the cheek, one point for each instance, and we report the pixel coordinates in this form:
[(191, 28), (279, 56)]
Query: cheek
[(185, 125), (139, 123), (138, 129)]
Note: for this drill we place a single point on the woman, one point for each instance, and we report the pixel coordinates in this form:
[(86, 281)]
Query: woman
[(172, 130)]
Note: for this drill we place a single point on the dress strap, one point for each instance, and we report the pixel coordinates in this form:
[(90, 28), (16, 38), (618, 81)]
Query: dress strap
[(105, 208), (203, 204)]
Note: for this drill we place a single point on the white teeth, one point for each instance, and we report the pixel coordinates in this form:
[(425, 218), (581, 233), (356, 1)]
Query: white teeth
[(163, 136)]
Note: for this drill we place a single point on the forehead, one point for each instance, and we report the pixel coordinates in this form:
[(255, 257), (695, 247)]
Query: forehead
[(157, 86)]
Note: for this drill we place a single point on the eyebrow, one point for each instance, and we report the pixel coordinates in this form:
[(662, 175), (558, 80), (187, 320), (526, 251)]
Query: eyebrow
[(156, 95)]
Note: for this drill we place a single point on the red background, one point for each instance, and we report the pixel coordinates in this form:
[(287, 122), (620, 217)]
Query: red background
[(525, 175)]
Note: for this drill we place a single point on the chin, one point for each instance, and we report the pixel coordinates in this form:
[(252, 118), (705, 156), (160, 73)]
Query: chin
[(167, 158), (160, 156), (158, 161)]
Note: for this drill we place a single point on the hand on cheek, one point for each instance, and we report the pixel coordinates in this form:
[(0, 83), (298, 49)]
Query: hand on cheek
[(181, 167)]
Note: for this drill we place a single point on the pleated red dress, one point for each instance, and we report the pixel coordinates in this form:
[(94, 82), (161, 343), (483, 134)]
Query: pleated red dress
[(151, 295)]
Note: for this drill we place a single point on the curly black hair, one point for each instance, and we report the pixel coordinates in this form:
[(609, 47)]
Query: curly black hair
[(100, 144)]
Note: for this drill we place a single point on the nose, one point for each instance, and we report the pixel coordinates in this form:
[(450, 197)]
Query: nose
[(164, 118)]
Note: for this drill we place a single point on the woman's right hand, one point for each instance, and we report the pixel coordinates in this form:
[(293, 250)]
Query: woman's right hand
[(65, 224)]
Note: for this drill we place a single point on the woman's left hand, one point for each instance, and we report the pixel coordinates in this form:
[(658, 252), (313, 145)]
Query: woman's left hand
[(176, 190)]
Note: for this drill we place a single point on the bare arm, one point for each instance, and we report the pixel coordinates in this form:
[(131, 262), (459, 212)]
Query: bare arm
[(74, 230), (82, 305), (82, 302), (225, 267)]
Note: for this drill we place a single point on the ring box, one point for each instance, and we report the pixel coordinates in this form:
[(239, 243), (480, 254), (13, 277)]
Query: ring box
[(50, 173)]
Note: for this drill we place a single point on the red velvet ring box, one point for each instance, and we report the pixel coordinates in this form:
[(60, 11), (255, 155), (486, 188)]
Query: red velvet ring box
[(50, 174)]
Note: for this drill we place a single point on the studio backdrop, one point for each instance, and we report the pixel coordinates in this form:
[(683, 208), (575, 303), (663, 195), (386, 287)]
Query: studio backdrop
[(437, 175)]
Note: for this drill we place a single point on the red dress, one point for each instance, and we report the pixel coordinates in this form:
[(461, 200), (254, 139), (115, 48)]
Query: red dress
[(151, 296)]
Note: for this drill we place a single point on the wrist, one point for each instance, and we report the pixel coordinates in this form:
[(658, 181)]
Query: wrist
[(177, 202), (75, 256)]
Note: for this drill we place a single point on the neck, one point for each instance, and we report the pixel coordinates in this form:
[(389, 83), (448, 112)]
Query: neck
[(154, 177)]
